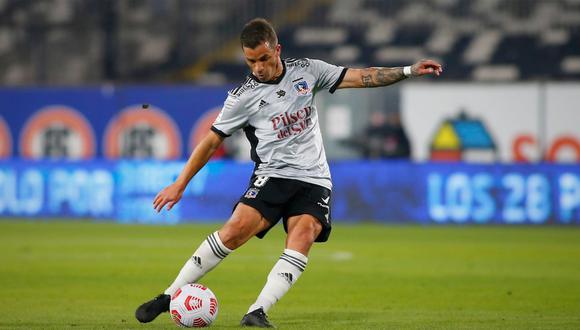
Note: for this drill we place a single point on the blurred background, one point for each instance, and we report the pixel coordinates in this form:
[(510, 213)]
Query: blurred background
[(90, 42), (495, 139)]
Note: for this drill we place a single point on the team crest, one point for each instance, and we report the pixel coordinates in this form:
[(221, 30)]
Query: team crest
[(302, 87), (252, 193)]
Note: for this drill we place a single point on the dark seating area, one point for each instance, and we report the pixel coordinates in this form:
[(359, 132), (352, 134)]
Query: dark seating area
[(67, 42), (476, 40)]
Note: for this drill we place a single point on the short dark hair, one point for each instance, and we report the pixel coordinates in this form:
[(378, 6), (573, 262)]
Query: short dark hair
[(257, 31)]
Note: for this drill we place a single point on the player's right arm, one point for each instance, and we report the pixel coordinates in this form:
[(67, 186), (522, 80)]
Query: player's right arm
[(231, 118), (171, 194)]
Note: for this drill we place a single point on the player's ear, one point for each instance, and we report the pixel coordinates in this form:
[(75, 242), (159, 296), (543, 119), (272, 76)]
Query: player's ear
[(278, 49)]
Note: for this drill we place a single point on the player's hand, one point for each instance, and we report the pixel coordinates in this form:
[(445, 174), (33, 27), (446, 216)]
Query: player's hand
[(424, 67), (169, 196)]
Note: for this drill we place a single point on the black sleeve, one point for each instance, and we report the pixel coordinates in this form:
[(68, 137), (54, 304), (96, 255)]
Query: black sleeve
[(218, 132), (338, 81)]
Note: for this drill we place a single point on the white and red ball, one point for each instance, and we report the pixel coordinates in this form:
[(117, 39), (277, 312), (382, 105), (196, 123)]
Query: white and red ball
[(193, 306)]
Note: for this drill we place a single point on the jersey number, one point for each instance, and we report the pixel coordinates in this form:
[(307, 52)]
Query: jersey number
[(261, 181)]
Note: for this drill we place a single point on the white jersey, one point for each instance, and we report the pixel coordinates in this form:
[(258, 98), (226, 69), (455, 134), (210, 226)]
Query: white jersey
[(281, 122)]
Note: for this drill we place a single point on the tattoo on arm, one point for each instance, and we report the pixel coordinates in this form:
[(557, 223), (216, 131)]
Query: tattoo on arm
[(375, 77), (367, 80)]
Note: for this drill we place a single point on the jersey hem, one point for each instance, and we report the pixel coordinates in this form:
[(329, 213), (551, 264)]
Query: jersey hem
[(322, 182)]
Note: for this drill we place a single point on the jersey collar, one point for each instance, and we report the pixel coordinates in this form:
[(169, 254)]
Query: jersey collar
[(272, 82)]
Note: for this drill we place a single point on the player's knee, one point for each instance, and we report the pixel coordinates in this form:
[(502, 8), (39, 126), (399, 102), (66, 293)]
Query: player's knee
[(235, 233), (307, 231), (315, 228)]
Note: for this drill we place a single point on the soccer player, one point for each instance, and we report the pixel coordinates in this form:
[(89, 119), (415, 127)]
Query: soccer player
[(291, 179)]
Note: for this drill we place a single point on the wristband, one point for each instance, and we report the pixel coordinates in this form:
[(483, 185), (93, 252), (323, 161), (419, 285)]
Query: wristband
[(407, 71)]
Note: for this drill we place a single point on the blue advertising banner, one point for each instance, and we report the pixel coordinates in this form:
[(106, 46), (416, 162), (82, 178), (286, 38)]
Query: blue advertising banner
[(105, 122), (381, 191), (457, 193)]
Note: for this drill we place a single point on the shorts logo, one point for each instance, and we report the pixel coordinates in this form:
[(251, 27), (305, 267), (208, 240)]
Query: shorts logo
[(5, 140), (137, 133), (302, 88), (252, 193), (325, 206), (57, 132)]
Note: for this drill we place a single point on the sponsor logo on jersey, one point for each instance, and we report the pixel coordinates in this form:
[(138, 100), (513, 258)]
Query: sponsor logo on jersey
[(5, 140), (292, 123), (57, 132), (262, 104), (302, 88), (135, 133), (281, 93)]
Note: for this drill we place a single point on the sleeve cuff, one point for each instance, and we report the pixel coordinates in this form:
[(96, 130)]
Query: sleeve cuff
[(218, 132), (338, 81)]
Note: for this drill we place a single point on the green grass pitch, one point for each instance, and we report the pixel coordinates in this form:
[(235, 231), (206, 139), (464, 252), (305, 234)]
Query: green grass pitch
[(84, 275)]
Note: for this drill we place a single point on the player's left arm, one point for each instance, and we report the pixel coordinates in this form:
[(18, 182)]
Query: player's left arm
[(377, 77)]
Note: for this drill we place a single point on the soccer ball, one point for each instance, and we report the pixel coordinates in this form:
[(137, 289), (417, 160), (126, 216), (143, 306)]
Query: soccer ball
[(193, 306)]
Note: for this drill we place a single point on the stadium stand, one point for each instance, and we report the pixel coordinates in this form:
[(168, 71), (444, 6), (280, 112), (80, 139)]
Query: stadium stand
[(480, 40), (57, 42), (54, 42)]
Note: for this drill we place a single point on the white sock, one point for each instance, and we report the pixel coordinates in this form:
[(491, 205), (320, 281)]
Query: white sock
[(204, 259), (284, 273)]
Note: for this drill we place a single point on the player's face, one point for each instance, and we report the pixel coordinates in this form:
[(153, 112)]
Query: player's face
[(263, 61)]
